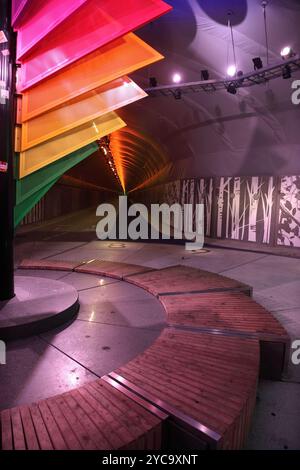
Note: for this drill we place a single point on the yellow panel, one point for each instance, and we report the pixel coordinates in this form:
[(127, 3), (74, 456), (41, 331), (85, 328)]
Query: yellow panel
[(50, 151), (118, 58), (107, 98)]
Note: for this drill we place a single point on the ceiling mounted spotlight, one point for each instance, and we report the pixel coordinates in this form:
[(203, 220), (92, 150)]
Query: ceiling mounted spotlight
[(153, 82), (232, 88), (240, 76), (286, 72), (177, 94), (257, 62), (204, 75), (287, 52), (231, 71), (176, 78)]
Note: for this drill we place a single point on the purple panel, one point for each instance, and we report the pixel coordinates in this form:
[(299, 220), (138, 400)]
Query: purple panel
[(93, 25)]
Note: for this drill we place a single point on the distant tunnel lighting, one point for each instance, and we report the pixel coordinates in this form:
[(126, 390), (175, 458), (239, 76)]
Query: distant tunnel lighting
[(257, 62), (231, 71), (176, 78), (287, 52)]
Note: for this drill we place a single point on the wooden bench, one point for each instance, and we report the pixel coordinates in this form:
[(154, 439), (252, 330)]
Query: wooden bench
[(200, 374), (207, 383), (184, 279), (236, 314), (99, 415)]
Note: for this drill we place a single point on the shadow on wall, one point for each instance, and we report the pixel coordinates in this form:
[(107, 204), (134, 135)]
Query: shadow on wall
[(218, 10)]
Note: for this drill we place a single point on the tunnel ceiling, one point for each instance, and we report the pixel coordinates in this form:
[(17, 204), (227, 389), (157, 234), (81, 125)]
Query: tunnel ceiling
[(209, 134)]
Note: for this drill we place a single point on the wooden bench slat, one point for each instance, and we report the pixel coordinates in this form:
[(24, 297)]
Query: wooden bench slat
[(18, 433), (6, 430), (40, 428), (52, 428), (66, 430), (29, 431)]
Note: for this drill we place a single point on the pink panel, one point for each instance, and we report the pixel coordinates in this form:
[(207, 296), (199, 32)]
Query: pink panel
[(91, 26), (18, 8), (45, 15)]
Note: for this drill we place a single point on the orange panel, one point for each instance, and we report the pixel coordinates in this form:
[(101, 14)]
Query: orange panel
[(119, 58), (107, 98), (50, 151)]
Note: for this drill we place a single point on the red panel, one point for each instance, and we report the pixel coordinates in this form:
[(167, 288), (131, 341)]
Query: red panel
[(93, 25), (45, 15)]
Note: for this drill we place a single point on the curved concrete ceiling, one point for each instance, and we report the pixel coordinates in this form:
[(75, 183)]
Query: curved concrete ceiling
[(209, 134)]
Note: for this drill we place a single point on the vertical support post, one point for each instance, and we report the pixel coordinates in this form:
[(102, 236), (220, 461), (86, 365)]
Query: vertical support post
[(7, 121)]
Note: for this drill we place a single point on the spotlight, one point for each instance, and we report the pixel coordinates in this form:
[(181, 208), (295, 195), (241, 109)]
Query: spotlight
[(287, 52), (153, 82), (177, 94), (257, 63), (231, 70), (204, 75), (240, 76), (176, 78), (232, 88), (286, 72)]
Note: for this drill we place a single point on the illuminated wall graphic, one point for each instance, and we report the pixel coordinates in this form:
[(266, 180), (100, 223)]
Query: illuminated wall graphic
[(289, 212), (74, 59)]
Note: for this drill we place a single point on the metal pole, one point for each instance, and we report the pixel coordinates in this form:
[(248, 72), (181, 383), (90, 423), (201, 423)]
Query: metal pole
[(7, 120)]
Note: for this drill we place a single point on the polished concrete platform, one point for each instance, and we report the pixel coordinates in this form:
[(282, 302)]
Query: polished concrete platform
[(39, 305), (117, 321)]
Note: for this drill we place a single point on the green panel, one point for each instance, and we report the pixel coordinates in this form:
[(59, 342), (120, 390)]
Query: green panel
[(28, 186), (24, 207)]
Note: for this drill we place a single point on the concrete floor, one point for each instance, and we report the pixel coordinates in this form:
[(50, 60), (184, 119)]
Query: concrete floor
[(116, 320)]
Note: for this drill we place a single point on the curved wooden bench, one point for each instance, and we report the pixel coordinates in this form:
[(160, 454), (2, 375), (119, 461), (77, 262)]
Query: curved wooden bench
[(95, 416), (206, 383), (236, 314), (202, 373), (184, 279)]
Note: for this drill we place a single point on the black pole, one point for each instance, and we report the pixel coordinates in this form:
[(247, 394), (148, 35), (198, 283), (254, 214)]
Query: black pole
[(7, 118)]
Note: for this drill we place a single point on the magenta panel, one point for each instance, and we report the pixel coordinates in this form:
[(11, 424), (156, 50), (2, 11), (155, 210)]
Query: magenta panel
[(94, 24), (45, 16), (19, 8)]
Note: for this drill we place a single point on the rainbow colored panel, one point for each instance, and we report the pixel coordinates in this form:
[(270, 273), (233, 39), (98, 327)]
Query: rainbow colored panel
[(88, 28), (119, 58), (48, 152), (45, 16), (19, 9), (88, 107)]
